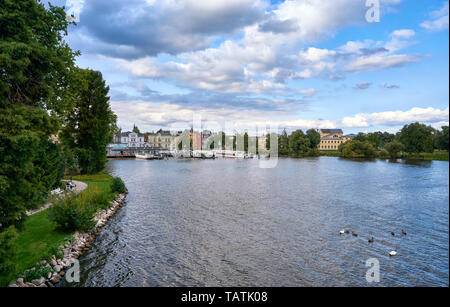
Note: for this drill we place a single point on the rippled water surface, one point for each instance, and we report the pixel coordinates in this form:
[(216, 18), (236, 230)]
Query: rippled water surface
[(231, 223)]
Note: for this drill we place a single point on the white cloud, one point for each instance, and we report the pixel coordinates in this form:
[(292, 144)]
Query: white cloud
[(404, 33), (308, 92), (375, 63), (439, 19), (388, 118), (260, 65)]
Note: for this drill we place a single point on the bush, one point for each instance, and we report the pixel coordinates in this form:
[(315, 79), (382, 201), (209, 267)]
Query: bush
[(53, 251), (37, 272), (95, 197), (383, 154), (62, 185), (73, 213), (394, 148), (117, 185), (357, 149), (313, 152), (8, 251)]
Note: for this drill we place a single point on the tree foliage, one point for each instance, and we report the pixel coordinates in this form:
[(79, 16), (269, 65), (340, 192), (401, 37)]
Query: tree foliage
[(441, 142), (90, 127), (357, 149), (136, 129), (36, 68), (417, 138), (8, 252), (394, 148)]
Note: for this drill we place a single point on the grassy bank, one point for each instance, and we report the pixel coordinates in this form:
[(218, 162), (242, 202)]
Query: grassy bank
[(40, 237), (436, 156), (330, 153), (102, 181)]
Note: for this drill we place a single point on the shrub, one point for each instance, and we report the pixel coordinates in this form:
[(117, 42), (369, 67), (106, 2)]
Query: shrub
[(37, 272), (394, 148), (53, 251), (62, 185), (117, 185), (72, 213), (357, 149), (8, 251), (383, 154), (95, 197)]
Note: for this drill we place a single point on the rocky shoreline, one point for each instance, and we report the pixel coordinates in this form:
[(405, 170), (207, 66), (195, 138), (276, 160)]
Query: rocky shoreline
[(72, 250)]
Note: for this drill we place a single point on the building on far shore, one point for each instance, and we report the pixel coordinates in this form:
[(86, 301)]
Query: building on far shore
[(330, 139), (131, 139), (163, 139)]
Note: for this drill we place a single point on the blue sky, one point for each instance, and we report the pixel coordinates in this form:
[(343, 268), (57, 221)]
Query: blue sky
[(295, 64)]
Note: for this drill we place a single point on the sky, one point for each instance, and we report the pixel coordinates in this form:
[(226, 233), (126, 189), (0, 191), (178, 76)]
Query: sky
[(289, 64)]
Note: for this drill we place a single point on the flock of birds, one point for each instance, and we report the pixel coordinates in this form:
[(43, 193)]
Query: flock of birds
[(371, 240)]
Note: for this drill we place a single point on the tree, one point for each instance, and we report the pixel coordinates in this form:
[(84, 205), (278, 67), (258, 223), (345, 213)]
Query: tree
[(35, 76), (246, 142), (314, 138), (357, 149), (36, 62), (386, 137), (136, 129), (362, 137), (223, 140), (394, 148), (283, 144), (374, 139), (417, 138), (441, 142), (298, 143), (89, 129)]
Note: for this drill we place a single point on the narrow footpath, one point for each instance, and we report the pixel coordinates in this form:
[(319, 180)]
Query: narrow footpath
[(79, 187)]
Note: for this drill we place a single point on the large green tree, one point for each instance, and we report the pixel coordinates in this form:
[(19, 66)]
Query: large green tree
[(298, 143), (394, 148), (314, 138), (441, 142), (418, 138), (36, 68), (90, 127)]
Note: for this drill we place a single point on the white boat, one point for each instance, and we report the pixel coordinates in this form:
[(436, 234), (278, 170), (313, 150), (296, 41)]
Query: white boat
[(145, 156), (197, 154), (208, 154)]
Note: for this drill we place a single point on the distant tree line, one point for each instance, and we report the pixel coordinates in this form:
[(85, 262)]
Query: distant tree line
[(413, 139), (297, 144)]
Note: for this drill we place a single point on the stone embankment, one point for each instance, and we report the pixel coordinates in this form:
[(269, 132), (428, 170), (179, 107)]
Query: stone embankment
[(71, 250)]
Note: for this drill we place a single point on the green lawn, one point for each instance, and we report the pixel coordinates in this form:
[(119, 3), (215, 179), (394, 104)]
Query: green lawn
[(39, 234), (101, 180)]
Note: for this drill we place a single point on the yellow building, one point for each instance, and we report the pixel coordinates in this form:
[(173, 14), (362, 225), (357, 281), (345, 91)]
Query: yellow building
[(330, 139)]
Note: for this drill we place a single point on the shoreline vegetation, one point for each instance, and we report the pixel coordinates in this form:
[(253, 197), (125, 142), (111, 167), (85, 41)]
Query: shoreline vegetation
[(413, 142), (41, 246), (55, 121)]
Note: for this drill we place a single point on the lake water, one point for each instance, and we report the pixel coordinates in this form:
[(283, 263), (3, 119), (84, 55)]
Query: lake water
[(230, 223)]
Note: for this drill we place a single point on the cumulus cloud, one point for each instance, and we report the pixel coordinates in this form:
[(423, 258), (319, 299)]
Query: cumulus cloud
[(391, 118), (259, 65), (438, 19), (149, 28), (169, 112)]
